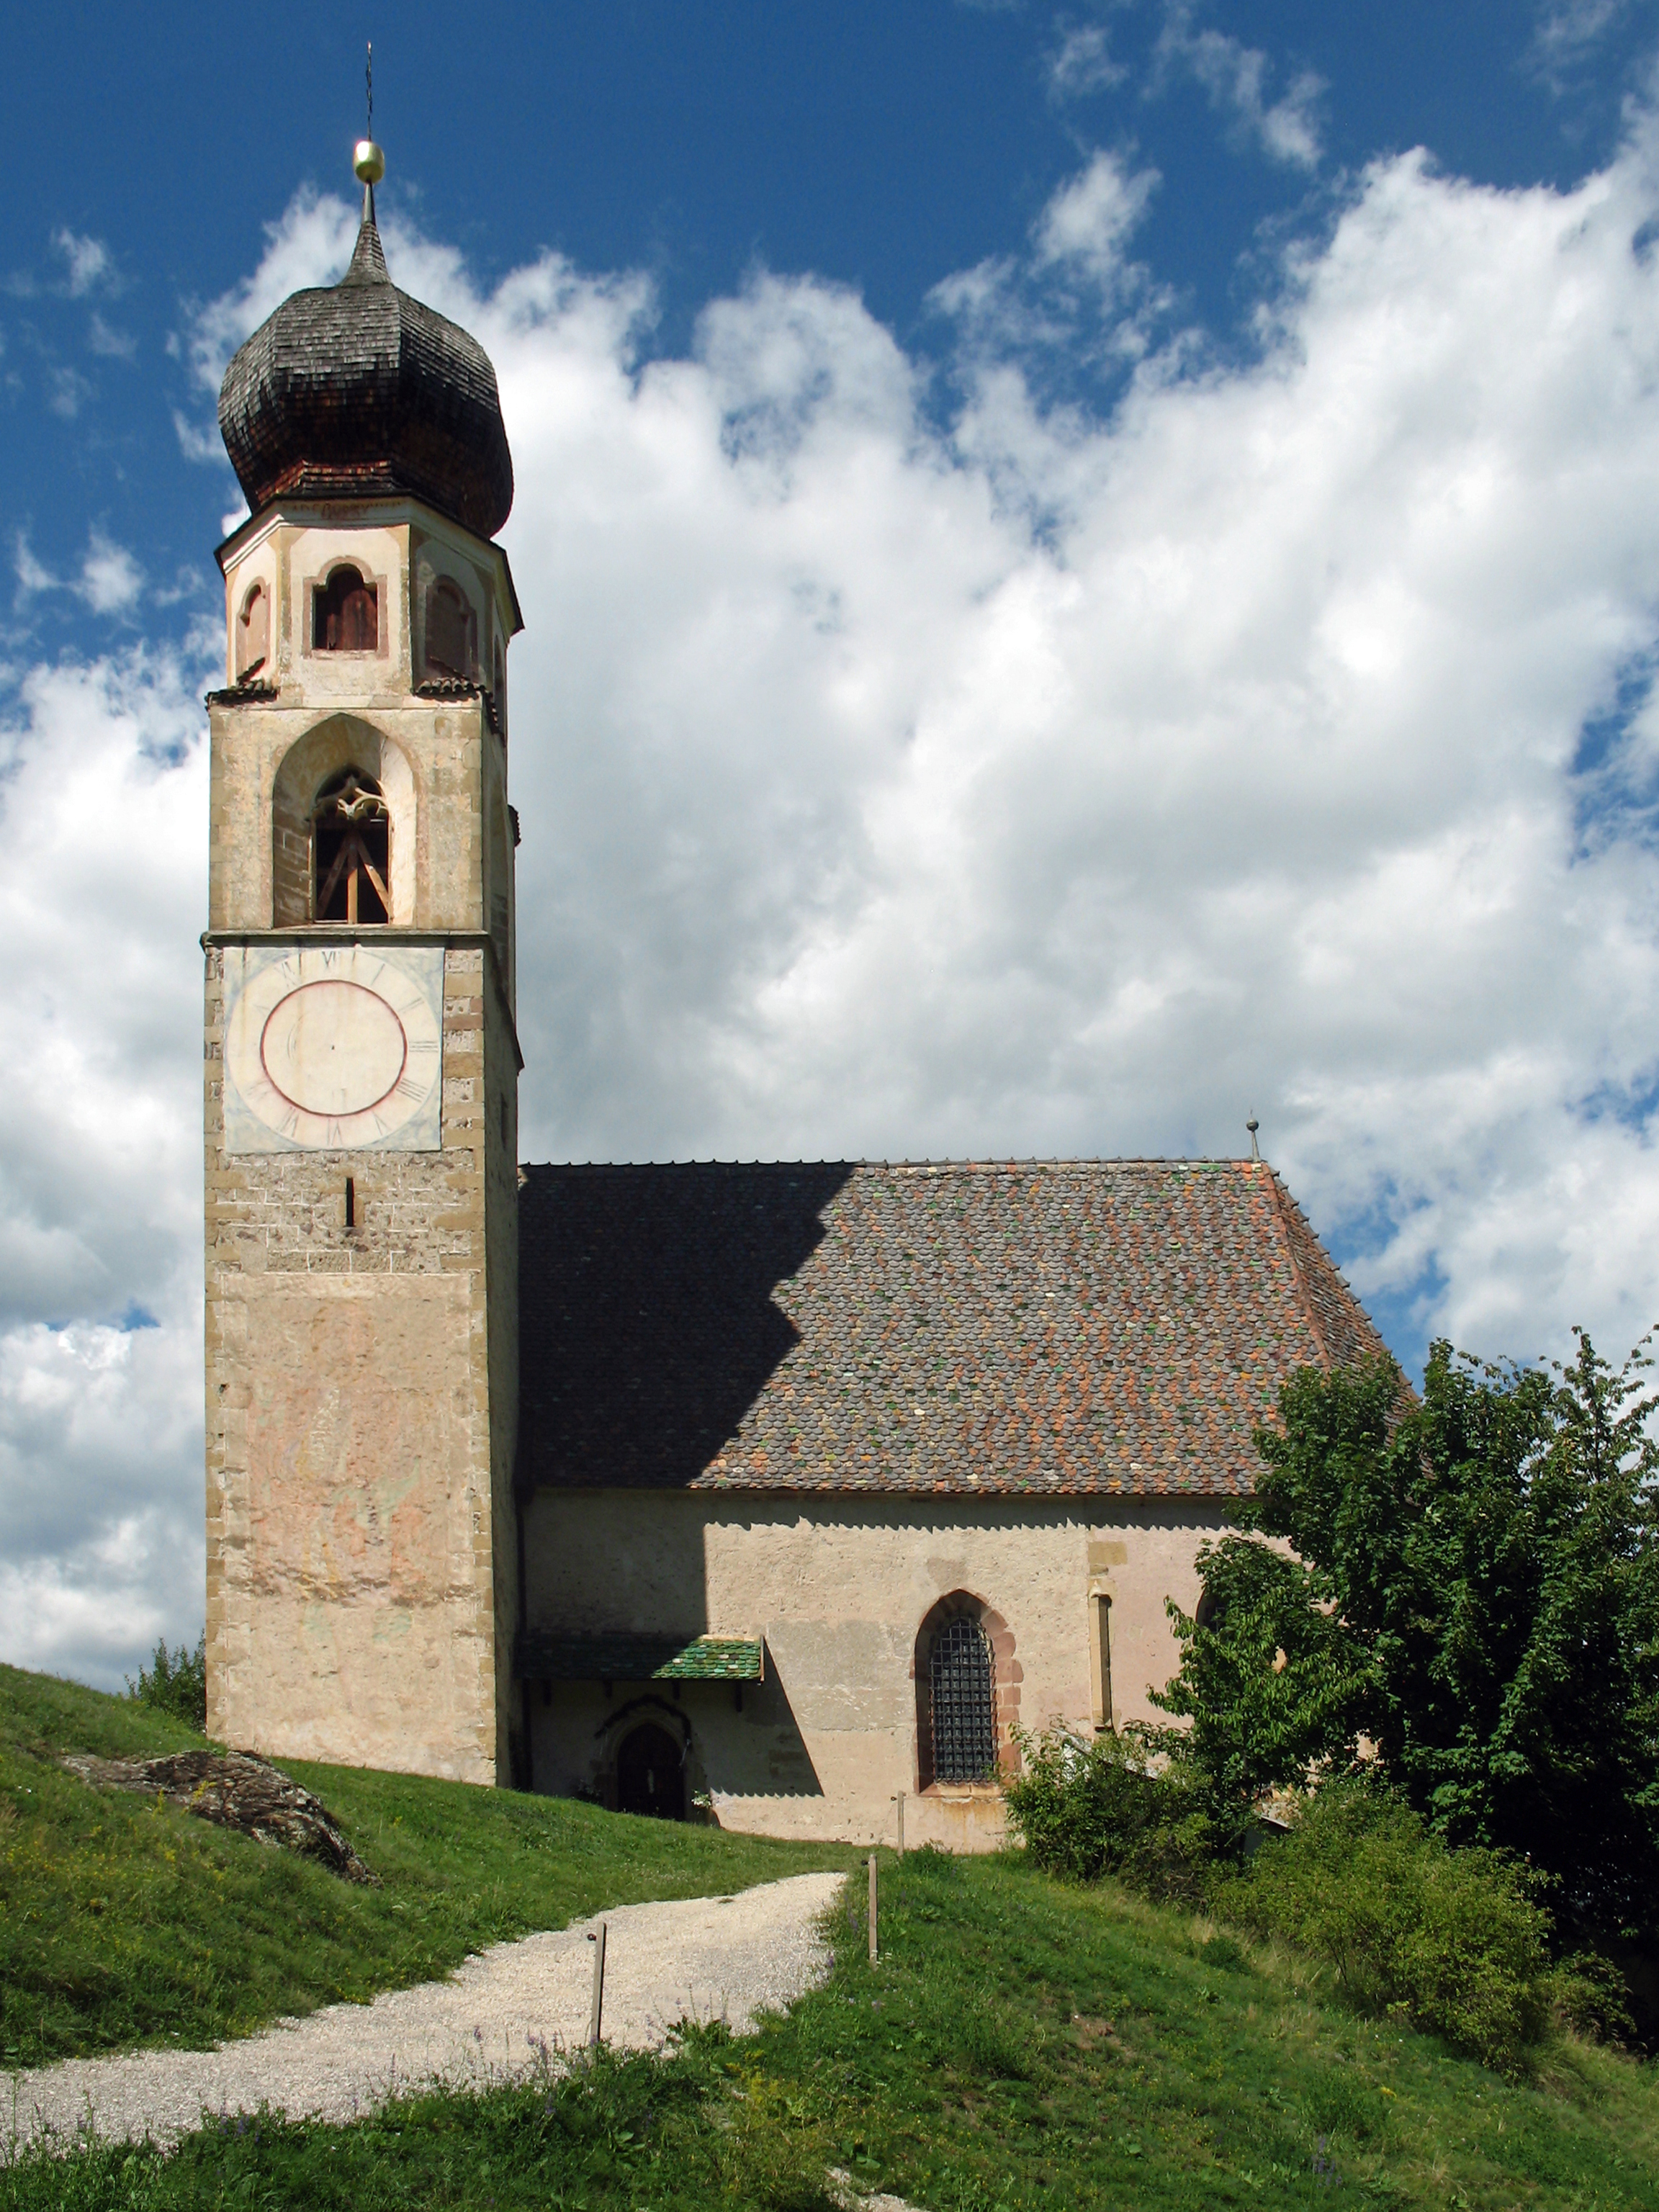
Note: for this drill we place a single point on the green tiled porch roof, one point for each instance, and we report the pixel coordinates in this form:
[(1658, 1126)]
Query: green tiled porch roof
[(627, 1658)]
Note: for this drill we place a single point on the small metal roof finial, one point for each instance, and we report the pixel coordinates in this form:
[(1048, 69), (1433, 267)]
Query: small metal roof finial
[(1253, 1125), (367, 161)]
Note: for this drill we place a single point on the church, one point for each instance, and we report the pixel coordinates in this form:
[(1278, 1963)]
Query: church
[(781, 1495)]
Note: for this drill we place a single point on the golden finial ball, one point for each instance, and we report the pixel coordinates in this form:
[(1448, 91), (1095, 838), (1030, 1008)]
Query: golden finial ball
[(367, 161)]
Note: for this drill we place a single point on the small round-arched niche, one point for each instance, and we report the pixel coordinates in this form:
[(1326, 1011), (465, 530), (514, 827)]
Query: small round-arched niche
[(253, 637), (321, 762), (345, 612), (449, 630)]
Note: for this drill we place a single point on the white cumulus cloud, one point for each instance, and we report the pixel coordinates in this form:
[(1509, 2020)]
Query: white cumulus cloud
[(1087, 221), (110, 580), (1082, 62), (103, 826), (90, 266), (1237, 77)]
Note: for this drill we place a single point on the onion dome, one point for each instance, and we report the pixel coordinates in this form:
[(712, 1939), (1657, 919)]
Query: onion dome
[(354, 391)]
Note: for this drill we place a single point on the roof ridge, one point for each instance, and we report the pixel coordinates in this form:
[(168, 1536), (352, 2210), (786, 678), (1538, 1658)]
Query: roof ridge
[(1298, 1277), (993, 1163)]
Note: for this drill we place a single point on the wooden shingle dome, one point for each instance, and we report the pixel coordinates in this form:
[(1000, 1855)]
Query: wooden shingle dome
[(355, 390)]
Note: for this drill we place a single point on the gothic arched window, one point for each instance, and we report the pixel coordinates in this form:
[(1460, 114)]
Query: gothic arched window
[(351, 845), (500, 690), (452, 629), (253, 633), (962, 1700), (345, 614)]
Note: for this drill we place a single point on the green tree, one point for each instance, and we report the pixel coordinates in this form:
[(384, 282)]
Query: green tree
[(1479, 1593), (1271, 1683)]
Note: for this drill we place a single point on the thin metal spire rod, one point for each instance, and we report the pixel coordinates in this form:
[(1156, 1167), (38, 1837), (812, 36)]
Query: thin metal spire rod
[(367, 161)]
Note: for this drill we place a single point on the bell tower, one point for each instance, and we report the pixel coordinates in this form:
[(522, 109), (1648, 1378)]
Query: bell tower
[(362, 1058)]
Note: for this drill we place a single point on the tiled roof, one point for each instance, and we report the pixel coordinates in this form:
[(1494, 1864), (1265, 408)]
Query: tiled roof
[(1082, 1326)]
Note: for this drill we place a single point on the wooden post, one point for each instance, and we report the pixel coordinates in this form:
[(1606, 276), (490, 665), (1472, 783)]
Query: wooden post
[(597, 2009), (873, 1908), (900, 1824)]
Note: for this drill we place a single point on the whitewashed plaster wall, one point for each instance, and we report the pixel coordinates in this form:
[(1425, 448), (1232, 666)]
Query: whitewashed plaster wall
[(839, 1588)]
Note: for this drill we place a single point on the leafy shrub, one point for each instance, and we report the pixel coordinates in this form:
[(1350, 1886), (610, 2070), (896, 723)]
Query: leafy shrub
[(1590, 1995), (1453, 1941), (1084, 1808), (175, 1682), (1480, 1593)]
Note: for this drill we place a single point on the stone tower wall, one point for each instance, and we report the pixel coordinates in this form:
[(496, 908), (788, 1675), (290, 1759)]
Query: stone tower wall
[(363, 1380)]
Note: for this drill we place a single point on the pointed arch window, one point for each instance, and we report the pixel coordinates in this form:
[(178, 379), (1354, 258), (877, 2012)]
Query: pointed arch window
[(351, 850), (253, 633), (345, 613), (962, 1687)]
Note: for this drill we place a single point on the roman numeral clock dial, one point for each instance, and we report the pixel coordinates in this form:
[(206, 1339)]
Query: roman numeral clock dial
[(334, 1048)]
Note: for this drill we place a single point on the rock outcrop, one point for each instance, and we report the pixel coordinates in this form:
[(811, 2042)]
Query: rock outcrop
[(236, 1790)]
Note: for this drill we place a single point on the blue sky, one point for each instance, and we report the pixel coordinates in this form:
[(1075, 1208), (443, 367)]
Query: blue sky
[(1087, 572), (880, 147)]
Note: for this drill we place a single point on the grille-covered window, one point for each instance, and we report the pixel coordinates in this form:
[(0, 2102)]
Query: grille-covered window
[(962, 1686)]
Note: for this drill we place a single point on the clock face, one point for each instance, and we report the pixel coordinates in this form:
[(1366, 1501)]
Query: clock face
[(336, 1048)]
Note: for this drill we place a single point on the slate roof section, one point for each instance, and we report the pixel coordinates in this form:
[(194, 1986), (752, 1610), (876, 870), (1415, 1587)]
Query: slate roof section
[(355, 390), (1086, 1327)]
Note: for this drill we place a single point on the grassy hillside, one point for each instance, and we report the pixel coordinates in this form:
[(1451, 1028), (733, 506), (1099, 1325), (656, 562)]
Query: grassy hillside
[(1020, 2044), (124, 1922)]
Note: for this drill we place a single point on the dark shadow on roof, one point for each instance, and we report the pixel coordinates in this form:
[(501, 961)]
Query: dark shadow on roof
[(649, 1325)]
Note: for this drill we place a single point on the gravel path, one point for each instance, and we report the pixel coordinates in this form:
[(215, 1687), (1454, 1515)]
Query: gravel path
[(703, 1958)]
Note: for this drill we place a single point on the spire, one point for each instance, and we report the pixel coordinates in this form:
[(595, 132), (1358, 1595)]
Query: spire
[(367, 260), (369, 164)]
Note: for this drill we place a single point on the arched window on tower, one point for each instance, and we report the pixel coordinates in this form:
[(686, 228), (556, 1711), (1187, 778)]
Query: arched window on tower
[(451, 630), (351, 850), (345, 614), (961, 1701), (253, 633), (500, 691)]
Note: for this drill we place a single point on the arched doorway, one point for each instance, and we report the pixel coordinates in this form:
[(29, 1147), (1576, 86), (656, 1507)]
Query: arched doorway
[(650, 1774)]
